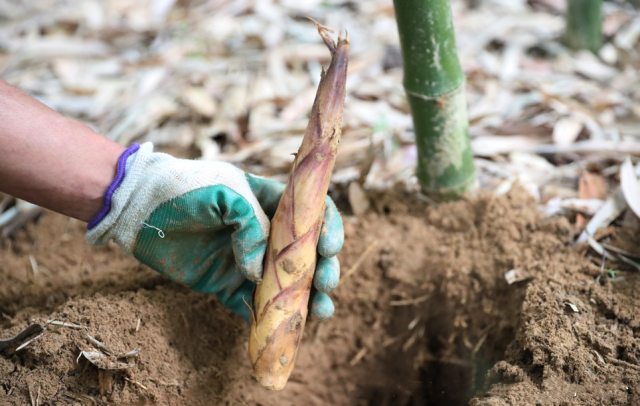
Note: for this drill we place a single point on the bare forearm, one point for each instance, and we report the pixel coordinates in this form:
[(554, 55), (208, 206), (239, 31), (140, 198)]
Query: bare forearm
[(51, 160)]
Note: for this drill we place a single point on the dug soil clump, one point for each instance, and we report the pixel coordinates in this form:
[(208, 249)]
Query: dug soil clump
[(424, 315)]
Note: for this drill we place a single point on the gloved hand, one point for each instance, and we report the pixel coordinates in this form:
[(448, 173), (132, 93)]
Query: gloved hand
[(205, 225)]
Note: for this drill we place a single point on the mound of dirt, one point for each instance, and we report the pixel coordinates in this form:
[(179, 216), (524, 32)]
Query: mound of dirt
[(577, 341), (424, 315)]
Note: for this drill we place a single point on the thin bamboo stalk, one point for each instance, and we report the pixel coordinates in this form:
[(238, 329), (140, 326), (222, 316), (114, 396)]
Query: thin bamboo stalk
[(583, 25), (435, 87)]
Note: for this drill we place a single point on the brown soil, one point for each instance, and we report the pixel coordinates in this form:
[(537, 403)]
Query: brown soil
[(426, 318)]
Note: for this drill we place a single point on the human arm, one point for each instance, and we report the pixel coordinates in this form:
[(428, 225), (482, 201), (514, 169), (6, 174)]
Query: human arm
[(213, 218), (51, 160)]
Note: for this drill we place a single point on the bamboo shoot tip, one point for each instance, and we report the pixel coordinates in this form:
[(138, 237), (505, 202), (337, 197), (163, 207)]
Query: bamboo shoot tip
[(319, 26)]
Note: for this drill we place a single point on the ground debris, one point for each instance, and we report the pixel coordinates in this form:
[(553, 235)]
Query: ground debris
[(30, 331), (105, 361), (104, 358), (241, 92)]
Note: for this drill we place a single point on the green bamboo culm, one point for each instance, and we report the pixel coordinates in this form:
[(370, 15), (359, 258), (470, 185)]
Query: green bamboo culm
[(435, 87), (583, 25)]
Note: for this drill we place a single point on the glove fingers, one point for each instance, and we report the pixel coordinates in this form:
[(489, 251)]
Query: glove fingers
[(268, 192), (327, 274), (249, 261), (249, 240), (332, 233), (321, 306)]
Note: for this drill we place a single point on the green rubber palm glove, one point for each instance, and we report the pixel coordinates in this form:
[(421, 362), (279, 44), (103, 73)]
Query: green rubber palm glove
[(205, 225)]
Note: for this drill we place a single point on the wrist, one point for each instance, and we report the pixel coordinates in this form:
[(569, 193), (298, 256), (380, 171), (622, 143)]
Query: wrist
[(106, 196), (90, 186), (51, 160)]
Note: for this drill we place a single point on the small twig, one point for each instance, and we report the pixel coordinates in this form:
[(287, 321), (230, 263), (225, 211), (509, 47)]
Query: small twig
[(407, 302), (67, 229), (619, 250), (625, 147), (13, 387), (65, 324), (34, 266), (427, 199), (622, 363), (186, 323), (38, 397), (392, 340), (135, 383), (138, 324), (410, 341), (359, 356), (362, 257), (413, 323), (45, 270), (33, 403), (479, 344), (163, 383), (132, 353), (29, 342), (98, 344)]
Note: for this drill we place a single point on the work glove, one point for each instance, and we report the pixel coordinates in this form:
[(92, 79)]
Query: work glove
[(205, 225)]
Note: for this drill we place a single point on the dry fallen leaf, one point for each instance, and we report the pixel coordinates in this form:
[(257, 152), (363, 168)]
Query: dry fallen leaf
[(102, 357), (104, 361), (200, 101), (610, 210), (358, 199), (30, 331), (566, 131), (590, 186), (629, 186), (516, 275)]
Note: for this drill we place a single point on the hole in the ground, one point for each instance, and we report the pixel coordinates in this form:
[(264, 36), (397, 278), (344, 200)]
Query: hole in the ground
[(440, 368)]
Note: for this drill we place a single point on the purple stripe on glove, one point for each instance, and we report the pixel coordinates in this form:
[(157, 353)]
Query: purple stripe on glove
[(122, 165)]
